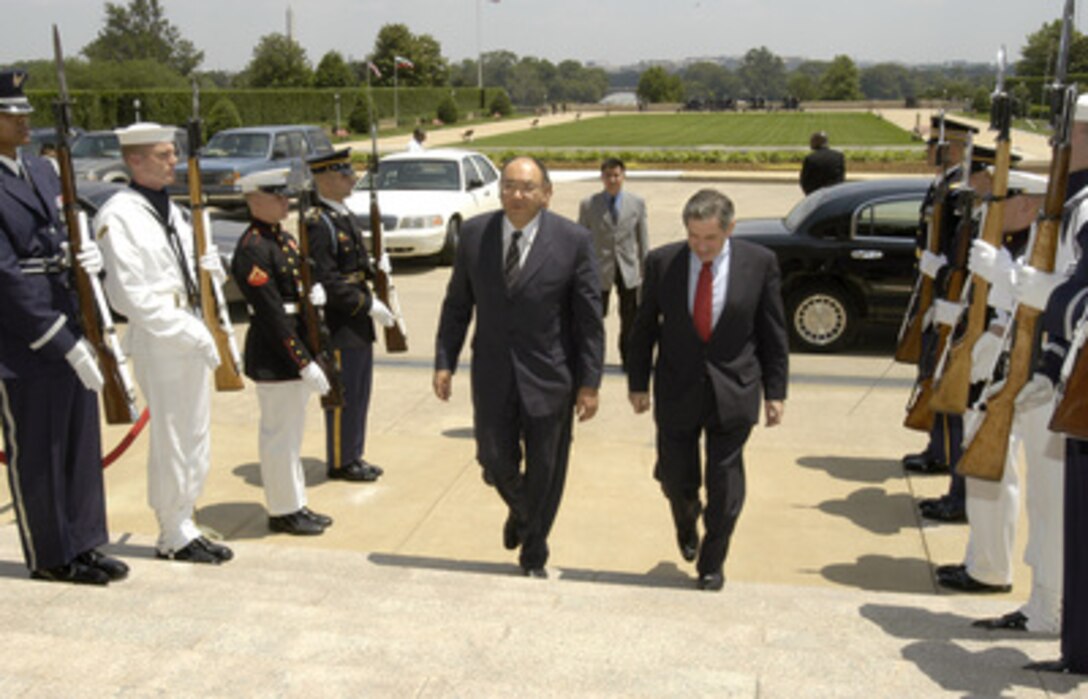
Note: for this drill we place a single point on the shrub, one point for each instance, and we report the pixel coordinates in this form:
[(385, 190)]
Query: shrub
[(359, 119), (446, 111), (501, 104), (222, 115)]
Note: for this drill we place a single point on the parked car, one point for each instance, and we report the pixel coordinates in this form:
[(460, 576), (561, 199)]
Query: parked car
[(425, 197), (96, 155), (846, 254), (45, 135), (234, 153)]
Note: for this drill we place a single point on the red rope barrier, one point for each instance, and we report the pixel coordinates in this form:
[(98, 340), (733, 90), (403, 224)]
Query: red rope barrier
[(121, 447)]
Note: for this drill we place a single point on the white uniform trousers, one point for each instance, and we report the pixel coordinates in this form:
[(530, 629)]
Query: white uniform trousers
[(178, 393), (992, 509), (283, 416)]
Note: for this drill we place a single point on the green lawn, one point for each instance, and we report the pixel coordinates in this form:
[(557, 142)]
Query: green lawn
[(712, 130)]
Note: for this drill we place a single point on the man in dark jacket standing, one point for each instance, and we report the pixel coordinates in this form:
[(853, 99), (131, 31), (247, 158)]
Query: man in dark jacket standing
[(822, 167)]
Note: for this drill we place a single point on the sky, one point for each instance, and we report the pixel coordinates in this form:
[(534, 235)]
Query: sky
[(605, 32)]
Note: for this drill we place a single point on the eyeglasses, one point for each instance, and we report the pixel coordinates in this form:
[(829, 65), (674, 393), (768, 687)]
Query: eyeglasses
[(510, 187)]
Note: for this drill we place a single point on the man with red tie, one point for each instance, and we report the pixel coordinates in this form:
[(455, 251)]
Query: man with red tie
[(713, 308)]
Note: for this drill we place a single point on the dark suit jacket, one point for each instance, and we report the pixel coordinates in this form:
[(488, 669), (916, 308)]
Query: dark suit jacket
[(544, 338), (748, 347), (821, 168)]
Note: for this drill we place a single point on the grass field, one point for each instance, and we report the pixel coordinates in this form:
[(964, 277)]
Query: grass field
[(784, 130)]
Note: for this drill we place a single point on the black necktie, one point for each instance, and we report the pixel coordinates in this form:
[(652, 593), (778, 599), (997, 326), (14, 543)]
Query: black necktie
[(613, 207), (513, 259)]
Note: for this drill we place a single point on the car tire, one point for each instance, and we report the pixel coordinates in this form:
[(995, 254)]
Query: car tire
[(822, 317), (117, 177), (449, 250)]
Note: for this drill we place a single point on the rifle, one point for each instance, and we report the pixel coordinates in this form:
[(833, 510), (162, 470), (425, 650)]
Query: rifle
[(954, 374), (984, 456), (318, 341), (909, 346), (396, 337), (119, 392), (920, 408), (1071, 414), (213, 306)]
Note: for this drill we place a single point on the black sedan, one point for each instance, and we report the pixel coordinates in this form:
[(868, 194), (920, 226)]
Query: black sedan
[(847, 256)]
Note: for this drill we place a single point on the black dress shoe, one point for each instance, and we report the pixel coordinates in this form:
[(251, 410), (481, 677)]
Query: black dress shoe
[(511, 539), (712, 582), (115, 569), (373, 467), (540, 573), (199, 550), (324, 520), (961, 580), (689, 545), (75, 572), (1013, 621), (296, 524), (356, 471), (920, 463), (943, 509), (950, 568)]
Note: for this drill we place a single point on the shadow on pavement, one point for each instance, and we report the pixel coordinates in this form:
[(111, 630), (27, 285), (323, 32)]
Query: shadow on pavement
[(874, 510), (853, 468), (313, 470), (883, 574)]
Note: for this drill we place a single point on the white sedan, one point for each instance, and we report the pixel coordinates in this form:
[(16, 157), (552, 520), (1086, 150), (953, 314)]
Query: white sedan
[(425, 197)]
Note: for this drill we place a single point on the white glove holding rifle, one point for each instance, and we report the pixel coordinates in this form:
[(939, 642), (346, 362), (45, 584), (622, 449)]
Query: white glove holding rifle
[(315, 378), (211, 263), (381, 313), (318, 297), (83, 361), (931, 264)]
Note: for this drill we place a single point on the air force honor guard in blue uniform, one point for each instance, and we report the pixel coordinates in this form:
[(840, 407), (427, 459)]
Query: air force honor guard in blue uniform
[(343, 267), (48, 371)]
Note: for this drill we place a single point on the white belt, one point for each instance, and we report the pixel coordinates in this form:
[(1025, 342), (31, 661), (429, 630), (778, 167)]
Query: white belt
[(290, 309)]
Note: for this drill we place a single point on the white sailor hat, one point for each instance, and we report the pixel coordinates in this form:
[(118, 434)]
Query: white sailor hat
[(268, 181), (12, 99), (145, 132), (1022, 182), (1081, 112)]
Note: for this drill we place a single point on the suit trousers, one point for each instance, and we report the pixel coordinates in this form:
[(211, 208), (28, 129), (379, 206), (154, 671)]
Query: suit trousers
[(51, 439), (345, 428), (1075, 599), (177, 387), (533, 495), (946, 446), (680, 475), (628, 307), (283, 417)]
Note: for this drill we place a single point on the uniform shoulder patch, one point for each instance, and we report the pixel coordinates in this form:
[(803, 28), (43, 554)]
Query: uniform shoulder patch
[(257, 277), (313, 215)]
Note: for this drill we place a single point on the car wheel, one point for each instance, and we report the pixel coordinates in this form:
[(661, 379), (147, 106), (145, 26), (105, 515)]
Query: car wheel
[(118, 177), (822, 318), (453, 234)]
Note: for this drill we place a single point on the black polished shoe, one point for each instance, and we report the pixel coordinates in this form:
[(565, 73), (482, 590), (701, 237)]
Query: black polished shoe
[(296, 524), (689, 545), (920, 463), (199, 550), (943, 509), (711, 582), (1013, 621), (539, 573), (356, 471), (962, 581), (115, 569), (75, 572), (511, 539), (373, 467), (950, 569), (324, 520)]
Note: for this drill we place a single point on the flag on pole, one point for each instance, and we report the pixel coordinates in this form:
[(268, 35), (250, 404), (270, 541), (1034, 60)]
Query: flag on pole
[(373, 69), (403, 62)]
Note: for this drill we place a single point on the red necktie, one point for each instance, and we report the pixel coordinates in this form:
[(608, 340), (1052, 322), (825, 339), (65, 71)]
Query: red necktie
[(703, 310)]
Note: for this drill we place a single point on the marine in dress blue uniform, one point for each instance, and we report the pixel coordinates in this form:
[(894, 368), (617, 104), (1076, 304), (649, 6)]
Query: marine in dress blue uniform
[(48, 409)]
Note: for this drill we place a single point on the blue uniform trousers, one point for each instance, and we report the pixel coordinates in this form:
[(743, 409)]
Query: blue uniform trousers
[(345, 428), (1075, 584)]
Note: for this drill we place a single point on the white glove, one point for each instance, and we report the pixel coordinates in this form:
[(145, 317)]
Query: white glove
[(1033, 287), (85, 364), (318, 297), (1002, 297), (1035, 393), (381, 313), (315, 378), (984, 260), (211, 263), (206, 346), (984, 356), (90, 258), (947, 312), (384, 264), (930, 264)]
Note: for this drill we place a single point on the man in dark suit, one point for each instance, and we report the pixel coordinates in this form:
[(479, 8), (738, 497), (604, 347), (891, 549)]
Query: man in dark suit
[(621, 240), (822, 167), (531, 278), (713, 308)]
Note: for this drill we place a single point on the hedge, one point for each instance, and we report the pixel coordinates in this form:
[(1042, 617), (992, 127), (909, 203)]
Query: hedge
[(106, 109)]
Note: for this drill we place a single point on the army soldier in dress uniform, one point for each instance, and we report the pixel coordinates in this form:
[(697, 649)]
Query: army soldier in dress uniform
[(48, 371), (151, 278), (267, 268), (343, 267)]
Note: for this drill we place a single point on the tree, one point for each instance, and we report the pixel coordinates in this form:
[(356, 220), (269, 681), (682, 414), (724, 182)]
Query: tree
[(763, 74), (657, 85), (1039, 56), (222, 115), (841, 80), (333, 71), (278, 62), (887, 81), (141, 31), (804, 80), (709, 81), (429, 67)]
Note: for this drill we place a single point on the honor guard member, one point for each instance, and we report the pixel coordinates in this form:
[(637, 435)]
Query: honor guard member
[(343, 267), (48, 371), (151, 279), (267, 268)]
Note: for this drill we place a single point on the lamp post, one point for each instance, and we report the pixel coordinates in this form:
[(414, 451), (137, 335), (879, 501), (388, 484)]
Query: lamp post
[(336, 97), (136, 106)]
